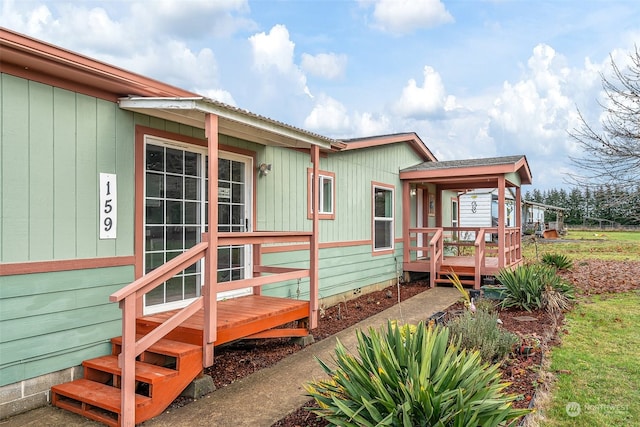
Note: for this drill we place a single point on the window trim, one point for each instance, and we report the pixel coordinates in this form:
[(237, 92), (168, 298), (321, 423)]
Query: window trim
[(331, 176), (392, 189)]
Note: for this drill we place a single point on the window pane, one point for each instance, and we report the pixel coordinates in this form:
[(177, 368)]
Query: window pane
[(174, 213), (174, 238), (154, 238), (175, 159), (326, 195), (237, 172), (174, 187), (383, 203), (155, 211), (192, 213), (155, 158), (155, 296), (174, 289), (191, 286), (155, 185), (237, 193), (383, 234), (224, 169), (191, 188), (153, 260), (191, 163)]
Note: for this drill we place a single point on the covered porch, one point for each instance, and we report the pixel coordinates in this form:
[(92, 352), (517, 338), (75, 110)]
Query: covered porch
[(442, 247), (208, 321)]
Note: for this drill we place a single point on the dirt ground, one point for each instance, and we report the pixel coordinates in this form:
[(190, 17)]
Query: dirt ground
[(522, 371)]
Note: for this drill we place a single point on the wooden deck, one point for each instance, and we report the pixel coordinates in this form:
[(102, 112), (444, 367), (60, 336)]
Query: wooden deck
[(252, 316)]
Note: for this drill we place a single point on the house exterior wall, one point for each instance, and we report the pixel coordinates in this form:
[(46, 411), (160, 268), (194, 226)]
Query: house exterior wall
[(54, 145), (347, 261)]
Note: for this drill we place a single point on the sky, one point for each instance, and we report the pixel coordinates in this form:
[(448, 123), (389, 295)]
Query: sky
[(473, 78)]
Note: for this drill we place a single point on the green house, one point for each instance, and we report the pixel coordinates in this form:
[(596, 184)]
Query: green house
[(105, 202)]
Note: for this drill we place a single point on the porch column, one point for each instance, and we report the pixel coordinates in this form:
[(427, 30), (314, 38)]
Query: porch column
[(314, 254), (406, 220), (501, 221), (210, 289), (518, 208)]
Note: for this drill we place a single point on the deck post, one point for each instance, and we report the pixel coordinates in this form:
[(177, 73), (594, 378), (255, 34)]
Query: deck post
[(501, 221), (518, 208), (406, 218), (127, 362), (210, 291), (314, 244)]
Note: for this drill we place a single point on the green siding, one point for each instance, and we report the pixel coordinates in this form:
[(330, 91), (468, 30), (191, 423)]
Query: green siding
[(52, 321), (55, 143)]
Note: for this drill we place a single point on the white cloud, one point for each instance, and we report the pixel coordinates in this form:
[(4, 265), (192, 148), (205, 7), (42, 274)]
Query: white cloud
[(405, 16), (429, 99), (274, 52), (326, 65), (328, 117)]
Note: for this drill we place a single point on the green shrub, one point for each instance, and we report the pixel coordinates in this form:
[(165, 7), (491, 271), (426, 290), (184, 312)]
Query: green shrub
[(559, 261), (527, 285), (403, 377), (481, 332)]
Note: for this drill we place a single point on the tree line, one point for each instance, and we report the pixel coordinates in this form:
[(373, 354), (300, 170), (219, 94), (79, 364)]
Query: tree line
[(611, 204)]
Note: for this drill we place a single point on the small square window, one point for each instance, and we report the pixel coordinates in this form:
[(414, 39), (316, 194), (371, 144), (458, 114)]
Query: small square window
[(326, 185)]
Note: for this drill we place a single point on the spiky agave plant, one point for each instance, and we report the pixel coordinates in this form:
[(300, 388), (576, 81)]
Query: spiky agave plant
[(418, 379)]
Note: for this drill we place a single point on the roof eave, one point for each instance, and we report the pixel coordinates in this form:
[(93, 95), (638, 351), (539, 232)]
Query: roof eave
[(233, 121)]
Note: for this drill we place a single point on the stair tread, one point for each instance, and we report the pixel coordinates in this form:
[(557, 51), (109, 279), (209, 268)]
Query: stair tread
[(145, 372), (166, 347), (96, 394)]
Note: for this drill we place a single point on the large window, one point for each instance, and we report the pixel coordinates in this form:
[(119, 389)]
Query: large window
[(327, 187), (383, 218)]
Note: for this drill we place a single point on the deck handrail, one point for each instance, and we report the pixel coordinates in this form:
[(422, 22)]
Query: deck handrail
[(129, 295), (480, 256)]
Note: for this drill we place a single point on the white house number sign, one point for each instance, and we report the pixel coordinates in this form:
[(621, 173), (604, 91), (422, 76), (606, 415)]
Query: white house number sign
[(108, 206)]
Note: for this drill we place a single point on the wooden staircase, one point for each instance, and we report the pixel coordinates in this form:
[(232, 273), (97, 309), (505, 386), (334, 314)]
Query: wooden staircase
[(466, 274), (162, 372)]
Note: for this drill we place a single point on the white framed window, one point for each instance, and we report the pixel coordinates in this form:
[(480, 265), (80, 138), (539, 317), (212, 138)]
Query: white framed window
[(326, 186), (383, 217)]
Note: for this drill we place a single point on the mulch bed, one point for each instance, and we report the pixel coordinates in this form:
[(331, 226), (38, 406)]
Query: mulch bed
[(522, 371)]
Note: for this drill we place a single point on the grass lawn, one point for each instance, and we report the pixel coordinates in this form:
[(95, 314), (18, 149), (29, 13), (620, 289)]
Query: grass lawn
[(579, 244), (598, 365)]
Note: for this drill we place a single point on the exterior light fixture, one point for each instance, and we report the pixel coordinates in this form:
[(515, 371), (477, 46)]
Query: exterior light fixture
[(264, 169), (413, 192)]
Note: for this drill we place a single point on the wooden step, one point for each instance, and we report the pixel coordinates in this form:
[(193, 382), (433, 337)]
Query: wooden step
[(145, 372), (166, 347), (470, 282), (93, 400)]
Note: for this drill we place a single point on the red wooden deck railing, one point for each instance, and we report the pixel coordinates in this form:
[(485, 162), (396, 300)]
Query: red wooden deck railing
[(462, 242), (129, 296)]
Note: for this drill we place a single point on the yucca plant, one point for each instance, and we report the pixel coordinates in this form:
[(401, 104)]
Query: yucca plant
[(559, 261), (402, 377), (527, 284)]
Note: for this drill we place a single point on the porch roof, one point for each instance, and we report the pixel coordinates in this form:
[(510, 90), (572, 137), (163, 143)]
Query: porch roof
[(233, 121), (471, 173)]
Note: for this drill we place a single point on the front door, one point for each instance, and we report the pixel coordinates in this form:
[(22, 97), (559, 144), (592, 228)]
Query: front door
[(176, 209)]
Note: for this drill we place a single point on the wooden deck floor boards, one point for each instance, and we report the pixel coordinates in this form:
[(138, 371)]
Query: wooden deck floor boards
[(237, 317)]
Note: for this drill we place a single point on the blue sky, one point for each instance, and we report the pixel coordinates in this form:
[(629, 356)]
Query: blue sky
[(473, 78)]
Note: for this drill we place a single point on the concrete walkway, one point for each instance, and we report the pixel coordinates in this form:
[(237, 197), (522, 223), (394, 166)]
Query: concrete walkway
[(266, 396)]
